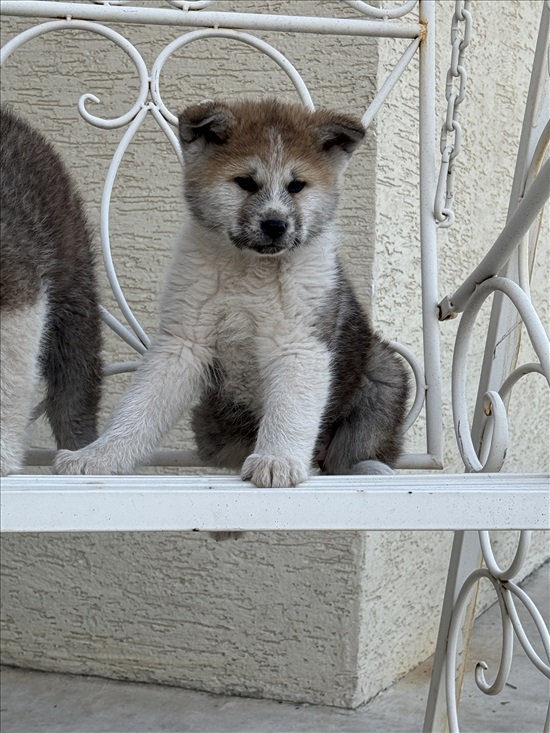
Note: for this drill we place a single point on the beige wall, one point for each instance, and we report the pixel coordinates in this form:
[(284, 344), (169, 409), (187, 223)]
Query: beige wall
[(322, 617)]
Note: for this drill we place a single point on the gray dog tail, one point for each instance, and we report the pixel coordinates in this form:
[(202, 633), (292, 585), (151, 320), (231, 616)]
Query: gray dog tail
[(72, 367)]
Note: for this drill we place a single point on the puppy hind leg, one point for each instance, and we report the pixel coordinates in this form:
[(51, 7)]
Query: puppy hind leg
[(20, 337), (371, 468), (370, 438), (352, 451)]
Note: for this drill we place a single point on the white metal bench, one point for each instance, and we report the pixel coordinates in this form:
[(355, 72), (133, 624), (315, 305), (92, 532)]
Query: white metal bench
[(471, 504)]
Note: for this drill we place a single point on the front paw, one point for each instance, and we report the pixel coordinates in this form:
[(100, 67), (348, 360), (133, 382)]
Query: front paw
[(84, 461), (272, 472)]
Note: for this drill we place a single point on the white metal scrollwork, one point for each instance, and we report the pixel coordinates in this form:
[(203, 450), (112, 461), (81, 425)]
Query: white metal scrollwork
[(504, 273), (507, 593), (495, 443), (381, 11), (250, 40), (149, 100)]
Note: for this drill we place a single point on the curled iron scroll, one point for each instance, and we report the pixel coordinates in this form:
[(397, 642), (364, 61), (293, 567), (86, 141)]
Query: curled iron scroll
[(375, 11), (495, 450), (506, 592), (239, 36), (136, 112)]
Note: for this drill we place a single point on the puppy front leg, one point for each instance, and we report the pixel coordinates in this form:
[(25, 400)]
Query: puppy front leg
[(166, 383), (296, 384)]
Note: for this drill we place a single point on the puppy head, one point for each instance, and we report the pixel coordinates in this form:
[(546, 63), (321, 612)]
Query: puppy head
[(265, 174)]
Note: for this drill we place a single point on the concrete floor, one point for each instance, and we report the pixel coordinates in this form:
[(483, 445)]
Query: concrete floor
[(37, 702)]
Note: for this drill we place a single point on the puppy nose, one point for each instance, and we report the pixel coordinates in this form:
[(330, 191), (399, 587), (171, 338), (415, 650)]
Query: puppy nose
[(274, 228)]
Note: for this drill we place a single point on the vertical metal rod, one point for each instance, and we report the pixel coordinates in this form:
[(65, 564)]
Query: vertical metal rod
[(465, 556), (428, 231)]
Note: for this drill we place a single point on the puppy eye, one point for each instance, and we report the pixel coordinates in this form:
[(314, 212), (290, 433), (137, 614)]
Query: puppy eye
[(295, 186), (247, 184)]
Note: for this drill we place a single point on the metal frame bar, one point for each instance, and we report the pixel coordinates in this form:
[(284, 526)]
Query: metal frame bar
[(516, 227), (184, 503), (208, 19), (428, 235)]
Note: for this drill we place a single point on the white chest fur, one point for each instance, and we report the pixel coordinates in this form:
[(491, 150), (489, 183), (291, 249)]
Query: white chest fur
[(241, 307)]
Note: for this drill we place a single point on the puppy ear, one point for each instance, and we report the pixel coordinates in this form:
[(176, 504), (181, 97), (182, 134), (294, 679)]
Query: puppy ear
[(339, 135), (209, 122)]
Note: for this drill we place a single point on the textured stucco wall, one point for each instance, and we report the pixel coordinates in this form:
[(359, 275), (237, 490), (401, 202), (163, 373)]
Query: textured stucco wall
[(270, 616), (323, 617)]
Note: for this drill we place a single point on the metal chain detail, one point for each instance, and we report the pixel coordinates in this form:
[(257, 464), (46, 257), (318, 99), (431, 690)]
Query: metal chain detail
[(451, 131)]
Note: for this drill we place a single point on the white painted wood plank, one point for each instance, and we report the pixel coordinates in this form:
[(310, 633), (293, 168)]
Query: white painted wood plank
[(174, 503)]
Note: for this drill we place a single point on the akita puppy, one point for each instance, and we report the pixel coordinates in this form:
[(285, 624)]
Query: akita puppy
[(260, 332)]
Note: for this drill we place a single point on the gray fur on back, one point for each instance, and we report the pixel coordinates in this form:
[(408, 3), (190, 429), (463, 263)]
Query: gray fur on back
[(46, 251)]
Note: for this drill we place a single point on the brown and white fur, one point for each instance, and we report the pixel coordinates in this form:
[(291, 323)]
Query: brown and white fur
[(50, 320), (260, 332)]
